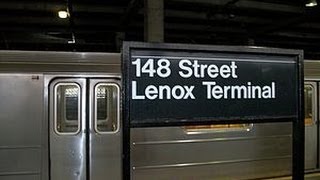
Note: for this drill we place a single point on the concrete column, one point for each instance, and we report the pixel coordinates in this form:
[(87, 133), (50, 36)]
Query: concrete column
[(153, 21)]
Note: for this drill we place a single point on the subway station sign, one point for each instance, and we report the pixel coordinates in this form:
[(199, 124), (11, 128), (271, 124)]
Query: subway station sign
[(172, 84), (178, 84)]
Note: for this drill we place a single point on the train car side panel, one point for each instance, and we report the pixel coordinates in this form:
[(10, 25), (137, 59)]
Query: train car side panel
[(21, 118)]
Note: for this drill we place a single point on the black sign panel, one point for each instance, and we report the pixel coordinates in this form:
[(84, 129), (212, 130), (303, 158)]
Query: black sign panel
[(177, 84), (170, 85)]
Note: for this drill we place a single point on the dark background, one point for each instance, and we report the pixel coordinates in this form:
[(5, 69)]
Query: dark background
[(102, 25)]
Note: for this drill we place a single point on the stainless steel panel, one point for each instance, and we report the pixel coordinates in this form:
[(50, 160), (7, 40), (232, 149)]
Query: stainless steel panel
[(149, 155), (37, 61), (21, 102), (20, 177), (20, 160), (68, 151), (55, 57), (105, 148), (311, 69), (236, 171), (163, 153), (21, 120), (177, 133), (311, 133)]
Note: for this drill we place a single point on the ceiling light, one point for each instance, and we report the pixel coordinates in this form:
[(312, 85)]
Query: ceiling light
[(311, 3), (63, 14)]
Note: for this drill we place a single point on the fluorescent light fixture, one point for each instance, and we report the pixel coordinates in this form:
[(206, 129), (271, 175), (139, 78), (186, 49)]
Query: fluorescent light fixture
[(311, 3), (63, 14)]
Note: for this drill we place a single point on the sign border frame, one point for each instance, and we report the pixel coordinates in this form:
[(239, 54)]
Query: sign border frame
[(297, 122)]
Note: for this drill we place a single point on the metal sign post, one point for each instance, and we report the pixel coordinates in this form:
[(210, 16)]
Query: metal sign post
[(178, 84)]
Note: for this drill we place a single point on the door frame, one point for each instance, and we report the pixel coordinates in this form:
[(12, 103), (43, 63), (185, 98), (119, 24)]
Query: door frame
[(104, 141), (315, 87), (50, 77)]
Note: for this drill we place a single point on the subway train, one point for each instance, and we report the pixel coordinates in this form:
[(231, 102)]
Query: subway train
[(60, 119)]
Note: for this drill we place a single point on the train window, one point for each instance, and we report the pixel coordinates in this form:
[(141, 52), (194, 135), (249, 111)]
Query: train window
[(67, 108), (106, 107), (308, 105), (71, 103), (199, 129)]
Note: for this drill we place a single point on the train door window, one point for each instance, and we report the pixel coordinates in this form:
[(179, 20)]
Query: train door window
[(67, 108), (308, 104), (106, 107), (199, 129)]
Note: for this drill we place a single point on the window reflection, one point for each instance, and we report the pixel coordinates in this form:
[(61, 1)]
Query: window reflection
[(106, 110), (308, 102), (67, 96), (217, 128)]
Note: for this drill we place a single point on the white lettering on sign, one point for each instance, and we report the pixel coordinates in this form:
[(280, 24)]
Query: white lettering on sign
[(163, 92), (161, 68), (248, 91), (197, 70)]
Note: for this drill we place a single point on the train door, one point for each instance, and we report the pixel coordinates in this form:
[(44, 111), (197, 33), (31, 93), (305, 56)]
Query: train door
[(85, 136), (310, 125)]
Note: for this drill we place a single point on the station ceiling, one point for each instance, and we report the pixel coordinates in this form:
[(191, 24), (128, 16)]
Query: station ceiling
[(101, 25)]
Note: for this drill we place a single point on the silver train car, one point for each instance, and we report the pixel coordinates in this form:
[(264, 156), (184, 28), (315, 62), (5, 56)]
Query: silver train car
[(60, 120)]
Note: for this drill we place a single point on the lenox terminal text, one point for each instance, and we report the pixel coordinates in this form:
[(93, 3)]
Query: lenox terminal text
[(190, 69)]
